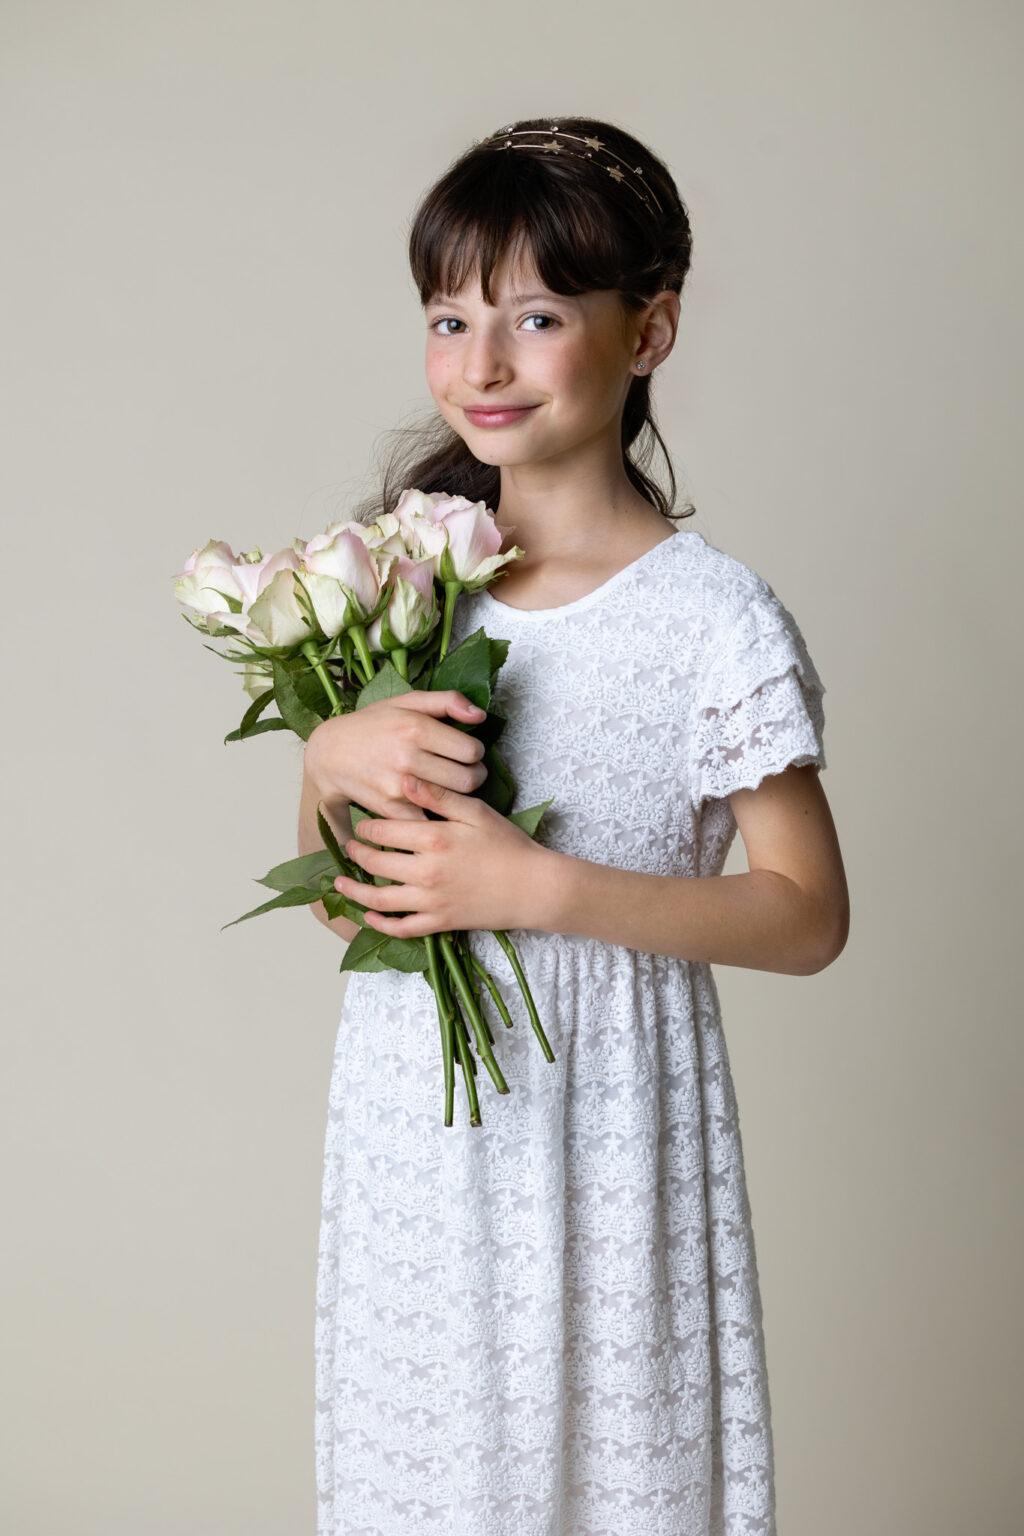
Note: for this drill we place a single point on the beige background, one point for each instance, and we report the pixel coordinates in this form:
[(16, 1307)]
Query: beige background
[(207, 324)]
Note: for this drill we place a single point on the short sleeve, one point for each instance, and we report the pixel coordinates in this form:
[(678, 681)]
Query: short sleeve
[(758, 708)]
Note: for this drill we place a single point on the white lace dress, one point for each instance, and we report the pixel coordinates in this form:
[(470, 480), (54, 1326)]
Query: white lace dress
[(550, 1325)]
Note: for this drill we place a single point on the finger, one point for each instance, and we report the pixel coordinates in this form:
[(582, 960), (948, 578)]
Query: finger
[(442, 701), (463, 778), (415, 926), (448, 741), (438, 797), (411, 835), (380, 861), (383, 898), (396, 810)]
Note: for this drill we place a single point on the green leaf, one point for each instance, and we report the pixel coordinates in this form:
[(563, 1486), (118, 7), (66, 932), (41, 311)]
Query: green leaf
[(338, 905), (467, 669), (356, 814), (227, 655), (251, 716), (490, 729), (498, 790), (388, 683), (294, 698), (305, 870), (371, 950), (275, 723), (256, 708), (330, 841), (530, 818), (299, 896), (419, 661), (499, 654)]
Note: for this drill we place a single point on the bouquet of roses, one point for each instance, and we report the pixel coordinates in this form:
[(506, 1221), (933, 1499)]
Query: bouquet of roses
[(363, 612)]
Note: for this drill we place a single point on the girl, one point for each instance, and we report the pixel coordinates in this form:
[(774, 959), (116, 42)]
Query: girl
[(551, 1325)]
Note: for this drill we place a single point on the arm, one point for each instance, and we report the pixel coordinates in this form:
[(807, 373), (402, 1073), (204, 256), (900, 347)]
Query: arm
[(310, 841), (789, 913)]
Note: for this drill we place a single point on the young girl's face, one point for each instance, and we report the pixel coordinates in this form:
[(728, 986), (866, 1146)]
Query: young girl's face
[(568, 359)]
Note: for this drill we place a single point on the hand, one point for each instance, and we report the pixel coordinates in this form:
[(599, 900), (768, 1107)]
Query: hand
[(473, 870), (361, 757)]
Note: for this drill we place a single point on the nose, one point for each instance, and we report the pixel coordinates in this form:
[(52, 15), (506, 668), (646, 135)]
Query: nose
[(484, 361)]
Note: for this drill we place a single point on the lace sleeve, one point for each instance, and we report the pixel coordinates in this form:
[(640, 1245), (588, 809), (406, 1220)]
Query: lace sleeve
[(758, 709)]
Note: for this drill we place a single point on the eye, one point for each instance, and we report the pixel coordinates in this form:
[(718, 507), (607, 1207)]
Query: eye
[(453, 320)]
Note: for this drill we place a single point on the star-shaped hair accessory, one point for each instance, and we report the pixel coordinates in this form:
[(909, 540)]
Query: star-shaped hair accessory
[(552, 146)]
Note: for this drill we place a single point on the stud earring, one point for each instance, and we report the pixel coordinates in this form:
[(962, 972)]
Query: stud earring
[(641, 363)]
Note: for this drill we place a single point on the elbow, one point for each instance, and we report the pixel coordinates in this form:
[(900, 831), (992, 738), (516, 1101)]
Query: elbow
[(830, 930)]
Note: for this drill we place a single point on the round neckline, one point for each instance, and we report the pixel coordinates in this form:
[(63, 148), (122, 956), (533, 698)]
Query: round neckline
[(588, 597)]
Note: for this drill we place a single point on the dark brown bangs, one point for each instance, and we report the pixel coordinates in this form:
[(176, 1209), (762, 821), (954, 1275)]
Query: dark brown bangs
[(492, 206)]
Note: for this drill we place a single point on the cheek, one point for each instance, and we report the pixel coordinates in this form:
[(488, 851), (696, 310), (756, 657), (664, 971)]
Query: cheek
[(445, 385), (437, 368), (579, 381)]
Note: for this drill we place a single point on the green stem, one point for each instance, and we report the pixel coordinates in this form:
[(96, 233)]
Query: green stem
[(468, 1069), (468, 963), (524, 987), (309, 650), (468, 1002), (451, 592), (491, 985), (445, 1013), (358, 634), (400, 662)]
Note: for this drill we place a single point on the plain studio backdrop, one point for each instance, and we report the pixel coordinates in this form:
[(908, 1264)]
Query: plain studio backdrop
[(208, 325)]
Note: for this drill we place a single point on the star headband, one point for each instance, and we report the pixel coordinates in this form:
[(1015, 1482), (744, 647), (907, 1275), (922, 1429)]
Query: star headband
[(593, 146)]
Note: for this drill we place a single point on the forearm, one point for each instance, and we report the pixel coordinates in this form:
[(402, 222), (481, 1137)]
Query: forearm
[(761, 920), (310, 841)]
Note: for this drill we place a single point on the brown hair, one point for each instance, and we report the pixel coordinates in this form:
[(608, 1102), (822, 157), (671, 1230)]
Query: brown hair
[(584, 231)]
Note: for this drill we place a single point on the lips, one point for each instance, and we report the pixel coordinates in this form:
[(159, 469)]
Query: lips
[(497, 416)]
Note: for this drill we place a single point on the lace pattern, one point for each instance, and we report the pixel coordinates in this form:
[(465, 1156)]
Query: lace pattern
[(760, 708), (551, 1325)]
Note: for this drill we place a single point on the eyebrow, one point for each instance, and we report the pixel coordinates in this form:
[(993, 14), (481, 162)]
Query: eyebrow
[(523, 298)]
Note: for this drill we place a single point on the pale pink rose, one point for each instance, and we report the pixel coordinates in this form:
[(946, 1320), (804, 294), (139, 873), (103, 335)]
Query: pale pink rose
[(426, 540), (412, 505), (412, 610), (472, 556), (252, 576), (386, 535), (213, 579), (206, 580), (470, 550), (277, 618), (343, 577), (444, 504)]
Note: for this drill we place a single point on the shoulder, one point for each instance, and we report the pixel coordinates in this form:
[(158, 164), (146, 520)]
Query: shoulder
[(719, 587), (739, 627)]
